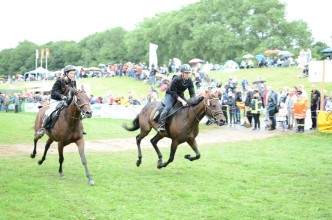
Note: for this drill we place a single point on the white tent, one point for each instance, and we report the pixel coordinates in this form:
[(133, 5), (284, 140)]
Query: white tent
[(37, 74), (40, 70)]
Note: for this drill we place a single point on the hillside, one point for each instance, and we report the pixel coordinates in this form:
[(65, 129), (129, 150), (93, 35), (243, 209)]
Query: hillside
[(276, 77)]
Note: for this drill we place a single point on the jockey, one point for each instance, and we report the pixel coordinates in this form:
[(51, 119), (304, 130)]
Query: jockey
[(57, 95), (175, 93)]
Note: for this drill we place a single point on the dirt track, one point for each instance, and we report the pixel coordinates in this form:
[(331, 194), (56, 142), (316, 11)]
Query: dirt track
[(218, 135)]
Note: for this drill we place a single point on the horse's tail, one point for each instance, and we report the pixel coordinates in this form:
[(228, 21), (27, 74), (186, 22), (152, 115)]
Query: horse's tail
[(134, 127)]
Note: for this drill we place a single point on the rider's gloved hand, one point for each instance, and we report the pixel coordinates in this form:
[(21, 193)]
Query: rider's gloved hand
[(64, 98)]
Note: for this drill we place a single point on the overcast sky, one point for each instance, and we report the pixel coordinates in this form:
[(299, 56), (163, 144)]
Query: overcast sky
[(40, 21)]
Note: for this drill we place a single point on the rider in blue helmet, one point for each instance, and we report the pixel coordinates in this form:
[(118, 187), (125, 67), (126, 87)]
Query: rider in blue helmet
[(175, 93)]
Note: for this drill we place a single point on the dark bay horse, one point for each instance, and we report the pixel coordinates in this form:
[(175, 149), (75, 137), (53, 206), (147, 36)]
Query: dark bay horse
[(68, 128), (183, 127)]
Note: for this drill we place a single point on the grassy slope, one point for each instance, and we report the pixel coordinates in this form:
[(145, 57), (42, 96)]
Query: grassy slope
[(277, 77)]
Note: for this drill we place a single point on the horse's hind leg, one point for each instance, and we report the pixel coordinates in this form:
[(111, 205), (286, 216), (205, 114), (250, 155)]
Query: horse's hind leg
[(47, 146), (139, 138), (80, 145), (154, 142), (193, 145), (174, 147)]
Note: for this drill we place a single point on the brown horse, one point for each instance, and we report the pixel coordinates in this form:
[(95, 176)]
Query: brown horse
[(182, 127), (68, 128)]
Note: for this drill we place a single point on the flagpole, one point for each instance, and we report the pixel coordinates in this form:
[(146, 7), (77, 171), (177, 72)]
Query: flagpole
[(323, 88), (46, 60), (41, 58), (36, 58)]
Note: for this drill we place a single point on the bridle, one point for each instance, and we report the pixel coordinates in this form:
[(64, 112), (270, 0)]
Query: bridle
[(83, 114), (207, 107)]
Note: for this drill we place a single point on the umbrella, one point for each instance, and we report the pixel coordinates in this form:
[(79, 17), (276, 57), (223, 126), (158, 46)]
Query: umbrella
[(260, 80), (248, 56), (260, 57), (327, 50), (271, 51), (177, 61), (285, 53), (196, 60), (268, 52), (94, 69)]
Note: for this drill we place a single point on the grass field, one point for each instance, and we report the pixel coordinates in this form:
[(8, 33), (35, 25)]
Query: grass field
[(285, 177)]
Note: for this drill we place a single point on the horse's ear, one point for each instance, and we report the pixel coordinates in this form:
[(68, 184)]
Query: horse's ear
[(82, 88)]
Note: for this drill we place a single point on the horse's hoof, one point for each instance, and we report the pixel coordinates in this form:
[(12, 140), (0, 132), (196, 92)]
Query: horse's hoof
[(187, 156), (40, 162), (61, 174), (32, 155), (138, 163), (91, 182)]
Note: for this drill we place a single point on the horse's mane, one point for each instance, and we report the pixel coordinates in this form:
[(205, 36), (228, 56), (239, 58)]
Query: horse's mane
[(195, 100)]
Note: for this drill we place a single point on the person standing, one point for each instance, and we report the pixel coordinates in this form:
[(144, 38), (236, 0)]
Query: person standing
[(255, 106), (300, 110), (282, 116), (314, 106), (289, 105), (1, 101), (247, 102), (223, 101), (272, 107), (16, 102)]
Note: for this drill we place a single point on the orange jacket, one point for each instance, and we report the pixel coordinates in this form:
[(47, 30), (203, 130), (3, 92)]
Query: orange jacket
[(300, 108)]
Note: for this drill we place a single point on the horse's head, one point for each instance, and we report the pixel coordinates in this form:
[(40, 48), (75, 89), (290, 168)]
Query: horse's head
[(82, 102), (213, 108)]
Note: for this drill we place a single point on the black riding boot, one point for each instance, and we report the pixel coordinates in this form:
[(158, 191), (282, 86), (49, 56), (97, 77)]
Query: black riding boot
[(163, 116), (46, 120)]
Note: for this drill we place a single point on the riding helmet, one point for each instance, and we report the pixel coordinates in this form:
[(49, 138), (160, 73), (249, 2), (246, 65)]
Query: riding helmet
[(185, 68), (69, 68)]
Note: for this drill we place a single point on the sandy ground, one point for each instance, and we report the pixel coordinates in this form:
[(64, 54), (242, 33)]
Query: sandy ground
[(217, 135)]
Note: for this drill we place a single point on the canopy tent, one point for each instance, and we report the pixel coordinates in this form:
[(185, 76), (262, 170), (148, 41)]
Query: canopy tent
[(40, 70), (36, 74)]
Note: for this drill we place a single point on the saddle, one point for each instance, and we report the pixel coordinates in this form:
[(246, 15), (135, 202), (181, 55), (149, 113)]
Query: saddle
[(55, 115), (191, 102)]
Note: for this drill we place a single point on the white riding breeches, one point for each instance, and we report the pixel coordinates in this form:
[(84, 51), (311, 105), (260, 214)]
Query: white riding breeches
[(53, 104)]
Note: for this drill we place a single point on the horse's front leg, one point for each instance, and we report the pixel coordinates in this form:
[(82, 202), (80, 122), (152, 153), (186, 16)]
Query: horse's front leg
[(154, 142), (35, 140), (80, 145), (193, 145), (61, 158), (174, 146), (47, 146)]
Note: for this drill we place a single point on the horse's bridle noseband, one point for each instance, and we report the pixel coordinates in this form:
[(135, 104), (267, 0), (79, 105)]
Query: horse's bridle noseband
[(81, 105), (214, 112)]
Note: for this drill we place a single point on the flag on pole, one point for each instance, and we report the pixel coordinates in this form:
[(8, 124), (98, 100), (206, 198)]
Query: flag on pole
[(47, 53), (42, 53), (37, 53), (153, 55)]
